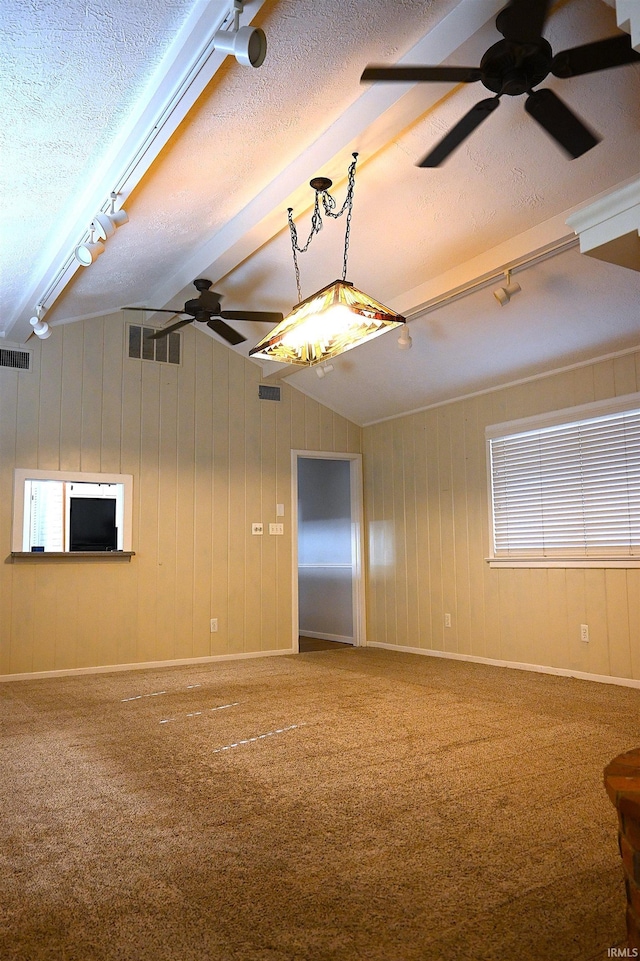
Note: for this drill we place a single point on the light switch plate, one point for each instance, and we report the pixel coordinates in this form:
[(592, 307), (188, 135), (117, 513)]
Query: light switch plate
[(276, 528)]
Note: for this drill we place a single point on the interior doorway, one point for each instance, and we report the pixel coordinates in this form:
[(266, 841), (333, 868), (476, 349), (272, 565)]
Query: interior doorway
[(328, 582)]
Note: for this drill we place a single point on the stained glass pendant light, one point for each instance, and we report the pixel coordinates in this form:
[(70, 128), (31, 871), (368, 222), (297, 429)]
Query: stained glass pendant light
[(334, 319)]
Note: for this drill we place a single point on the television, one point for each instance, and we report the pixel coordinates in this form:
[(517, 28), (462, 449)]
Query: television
[(92, 524)]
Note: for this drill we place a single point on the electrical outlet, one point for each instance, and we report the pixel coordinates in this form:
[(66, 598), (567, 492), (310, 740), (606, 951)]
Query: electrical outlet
[(257, 528), (214, 625), (447, 620), (584, 633), (276, 528)]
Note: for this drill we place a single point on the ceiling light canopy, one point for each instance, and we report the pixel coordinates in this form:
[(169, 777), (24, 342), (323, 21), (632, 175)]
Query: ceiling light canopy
[(334, 319)]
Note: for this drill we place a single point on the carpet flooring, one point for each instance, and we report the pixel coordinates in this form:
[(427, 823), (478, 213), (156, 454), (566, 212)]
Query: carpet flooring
[(306, 644), (352, 805)]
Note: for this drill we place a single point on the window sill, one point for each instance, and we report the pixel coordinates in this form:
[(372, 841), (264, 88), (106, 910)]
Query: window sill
[(103, 555), (622, 562)]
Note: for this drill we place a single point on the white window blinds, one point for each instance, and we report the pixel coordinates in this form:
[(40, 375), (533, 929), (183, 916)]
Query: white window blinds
[(568, 490)]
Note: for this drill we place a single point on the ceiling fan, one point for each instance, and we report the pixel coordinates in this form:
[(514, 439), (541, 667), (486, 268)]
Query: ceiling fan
[(206, 310), (514, 66)]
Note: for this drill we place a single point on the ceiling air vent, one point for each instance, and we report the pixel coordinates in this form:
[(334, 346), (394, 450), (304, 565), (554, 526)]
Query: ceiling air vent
[(17, 359), (266, 392), (165, 350)]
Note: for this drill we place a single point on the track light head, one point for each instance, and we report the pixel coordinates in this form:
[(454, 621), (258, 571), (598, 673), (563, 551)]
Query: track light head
[(40, 327), (504, 294), (86, 253), (247, 44), (404, 340), (324, 370), (106, 224)]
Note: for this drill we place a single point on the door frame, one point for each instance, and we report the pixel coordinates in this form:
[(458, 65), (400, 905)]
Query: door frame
[(357, 540)]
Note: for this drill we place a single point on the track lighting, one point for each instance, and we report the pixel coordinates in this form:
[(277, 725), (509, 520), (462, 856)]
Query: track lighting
[(105, 225), (324, 370), (86, 253), (247, 44), (40, 327), (504, 294), (404, 340)]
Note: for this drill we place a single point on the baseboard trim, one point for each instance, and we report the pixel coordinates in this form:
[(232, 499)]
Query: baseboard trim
[(183, 662), (515, 665), (143, 666)]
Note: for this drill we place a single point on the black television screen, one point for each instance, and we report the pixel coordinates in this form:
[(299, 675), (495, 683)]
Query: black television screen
[(92, 524)]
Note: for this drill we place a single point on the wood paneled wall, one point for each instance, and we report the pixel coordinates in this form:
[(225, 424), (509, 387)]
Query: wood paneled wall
[(207, 457), (426, 503)]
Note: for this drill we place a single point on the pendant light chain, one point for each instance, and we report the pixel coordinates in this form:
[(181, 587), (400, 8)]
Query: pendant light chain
[(329, 208)]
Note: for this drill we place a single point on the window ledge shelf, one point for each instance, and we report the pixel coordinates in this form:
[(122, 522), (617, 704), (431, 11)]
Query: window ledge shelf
[(103, 555)]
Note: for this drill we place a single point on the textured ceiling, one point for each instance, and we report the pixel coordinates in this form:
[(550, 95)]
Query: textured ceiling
[(72, 73), (214, 201)]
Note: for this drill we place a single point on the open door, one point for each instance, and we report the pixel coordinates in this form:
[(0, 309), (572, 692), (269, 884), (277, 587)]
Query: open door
[(327, 547)]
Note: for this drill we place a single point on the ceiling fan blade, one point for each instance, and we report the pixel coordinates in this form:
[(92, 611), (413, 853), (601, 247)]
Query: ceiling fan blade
[(154, 310), (259, 316), (410, 74), (600, 55), (227, 333), (460, 132), (522, 21), (168, 330), (560, 122)]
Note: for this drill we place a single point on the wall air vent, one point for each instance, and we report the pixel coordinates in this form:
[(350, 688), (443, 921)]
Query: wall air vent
[(17, 359), (267, 392), (140, 346)]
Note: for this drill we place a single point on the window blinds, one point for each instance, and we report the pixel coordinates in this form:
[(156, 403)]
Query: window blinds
[(568, 490)]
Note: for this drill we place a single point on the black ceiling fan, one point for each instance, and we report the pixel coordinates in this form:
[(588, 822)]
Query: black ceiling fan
[(514, 66), (206, 310)]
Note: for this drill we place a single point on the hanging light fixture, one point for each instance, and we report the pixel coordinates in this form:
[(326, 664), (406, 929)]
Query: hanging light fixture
[(336, 318)]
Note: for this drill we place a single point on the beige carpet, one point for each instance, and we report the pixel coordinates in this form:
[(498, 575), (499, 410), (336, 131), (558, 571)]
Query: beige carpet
[(358, 805), (306, 644)]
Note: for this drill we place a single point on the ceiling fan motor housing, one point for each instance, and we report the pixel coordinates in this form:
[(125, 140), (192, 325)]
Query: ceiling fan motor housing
[(515, 68), (206, 304), (193, 307)]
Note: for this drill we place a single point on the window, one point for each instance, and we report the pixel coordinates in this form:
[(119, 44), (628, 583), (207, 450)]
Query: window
[(565, 489), (71, 511)]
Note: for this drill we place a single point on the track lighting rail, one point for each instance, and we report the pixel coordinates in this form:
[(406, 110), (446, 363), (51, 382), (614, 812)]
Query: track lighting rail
[(485, 280)]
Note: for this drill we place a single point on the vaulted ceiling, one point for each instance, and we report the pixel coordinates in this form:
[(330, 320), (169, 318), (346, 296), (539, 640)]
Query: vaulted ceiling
[(207, 155)]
